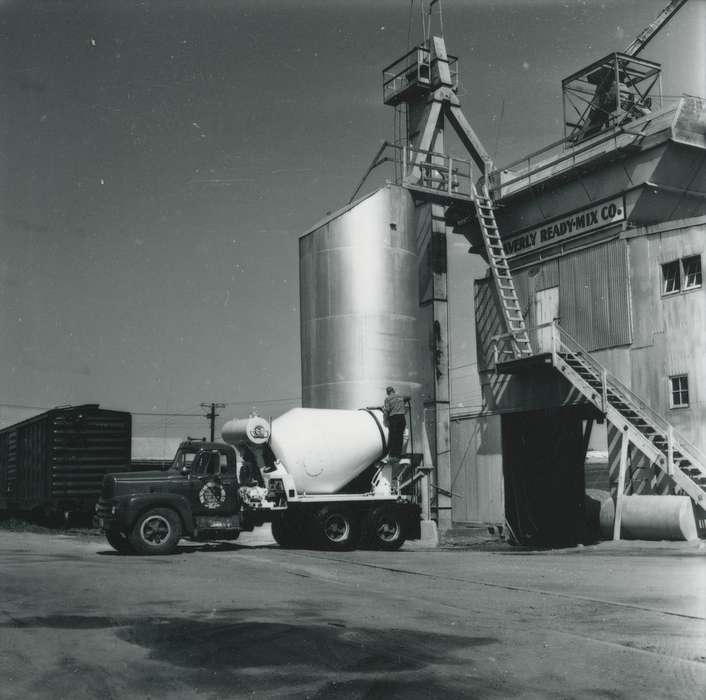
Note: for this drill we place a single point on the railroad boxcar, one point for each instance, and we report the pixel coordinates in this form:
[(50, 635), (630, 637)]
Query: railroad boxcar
[(55, 462)]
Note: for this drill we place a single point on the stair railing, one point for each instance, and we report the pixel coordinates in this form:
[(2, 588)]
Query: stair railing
[(565, 344)]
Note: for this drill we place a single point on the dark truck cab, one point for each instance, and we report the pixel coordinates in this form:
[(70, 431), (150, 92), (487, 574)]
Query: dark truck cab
[(196, 497)]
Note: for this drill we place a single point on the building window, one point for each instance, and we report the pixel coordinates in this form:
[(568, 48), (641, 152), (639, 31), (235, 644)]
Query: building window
[(681, 275), (679, 394), (671, 277), (692, 272)]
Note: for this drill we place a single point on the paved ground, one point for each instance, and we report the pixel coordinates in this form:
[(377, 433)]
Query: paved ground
[(624, 620)]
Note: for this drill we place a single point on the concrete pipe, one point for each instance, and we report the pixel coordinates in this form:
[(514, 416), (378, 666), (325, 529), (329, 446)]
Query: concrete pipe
[(650, 518)]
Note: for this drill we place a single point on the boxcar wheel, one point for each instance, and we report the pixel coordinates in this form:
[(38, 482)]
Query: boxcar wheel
[(384, 529), (338, 528), (118, 541), (156, 532)]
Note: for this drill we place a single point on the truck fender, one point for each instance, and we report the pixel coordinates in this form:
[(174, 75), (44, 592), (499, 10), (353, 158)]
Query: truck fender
[(140, 503)]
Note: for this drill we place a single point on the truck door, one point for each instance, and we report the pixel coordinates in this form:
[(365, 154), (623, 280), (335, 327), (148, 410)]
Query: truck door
[(214, 486)]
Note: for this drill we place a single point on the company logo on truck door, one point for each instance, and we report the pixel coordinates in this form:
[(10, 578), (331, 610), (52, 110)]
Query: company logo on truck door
[(212, 495), (576, 224)]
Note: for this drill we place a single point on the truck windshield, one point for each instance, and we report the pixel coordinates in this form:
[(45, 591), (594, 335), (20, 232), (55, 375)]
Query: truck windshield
[(183, 458)]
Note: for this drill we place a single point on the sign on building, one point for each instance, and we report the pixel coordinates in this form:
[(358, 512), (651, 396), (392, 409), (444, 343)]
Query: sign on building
[(576, 224)]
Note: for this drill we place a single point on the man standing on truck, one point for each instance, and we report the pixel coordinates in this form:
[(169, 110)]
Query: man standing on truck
[(395, 412)]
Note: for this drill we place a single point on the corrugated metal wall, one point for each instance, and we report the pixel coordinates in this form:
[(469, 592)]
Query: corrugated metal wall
[(476, 471), (535, 279), (3, 471), (594, 296), (489, 321), (594, 293)]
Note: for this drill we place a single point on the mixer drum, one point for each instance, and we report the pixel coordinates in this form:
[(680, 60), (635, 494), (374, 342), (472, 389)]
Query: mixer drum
[(325, 449)]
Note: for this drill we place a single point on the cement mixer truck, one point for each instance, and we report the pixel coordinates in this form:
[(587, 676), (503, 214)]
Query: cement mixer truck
[(318, 476)]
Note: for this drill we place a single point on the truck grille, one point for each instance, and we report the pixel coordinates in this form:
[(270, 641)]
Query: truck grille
[(104, 508)]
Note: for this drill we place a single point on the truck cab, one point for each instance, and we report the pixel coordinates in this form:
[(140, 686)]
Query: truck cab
[(196, 497)]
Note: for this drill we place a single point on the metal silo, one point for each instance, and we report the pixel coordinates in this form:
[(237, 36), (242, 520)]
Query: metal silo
[(359, 304)]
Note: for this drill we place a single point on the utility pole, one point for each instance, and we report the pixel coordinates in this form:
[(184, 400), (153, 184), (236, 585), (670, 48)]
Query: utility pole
[(211, 415)]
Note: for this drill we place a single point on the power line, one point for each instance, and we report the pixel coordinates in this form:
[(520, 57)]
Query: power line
[(248, 402), (156, 413), (18, 405), (259, 401)]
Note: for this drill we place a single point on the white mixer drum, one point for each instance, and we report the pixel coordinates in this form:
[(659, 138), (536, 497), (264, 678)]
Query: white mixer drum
[(324, 449)]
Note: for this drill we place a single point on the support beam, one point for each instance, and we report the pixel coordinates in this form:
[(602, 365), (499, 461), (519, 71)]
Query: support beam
[(620, 492), (442, 389), (431, 117), (670, 450), (587, 435), (468, 137), (440, 63), (429, 463)]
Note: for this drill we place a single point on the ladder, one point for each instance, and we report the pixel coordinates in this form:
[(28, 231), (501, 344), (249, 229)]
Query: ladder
[(512, 312), (652, 434)]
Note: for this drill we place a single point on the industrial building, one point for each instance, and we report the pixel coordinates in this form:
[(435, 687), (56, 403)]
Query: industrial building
[(589, 323)]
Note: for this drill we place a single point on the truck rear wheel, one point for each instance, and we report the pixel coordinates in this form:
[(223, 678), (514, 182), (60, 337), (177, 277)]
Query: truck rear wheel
[(157, 531), (118, 541), (286, 530), (384, 529), (338, 528)]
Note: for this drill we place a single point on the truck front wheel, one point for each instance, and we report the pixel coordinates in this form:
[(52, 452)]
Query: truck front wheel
[(384, 529), (338, 528), (118, 541), (156, 532)]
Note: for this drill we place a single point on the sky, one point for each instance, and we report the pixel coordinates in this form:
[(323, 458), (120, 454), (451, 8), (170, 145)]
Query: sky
[(159, 159)]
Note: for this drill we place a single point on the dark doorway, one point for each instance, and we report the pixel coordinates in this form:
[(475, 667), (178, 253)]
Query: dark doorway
[(543, 467)]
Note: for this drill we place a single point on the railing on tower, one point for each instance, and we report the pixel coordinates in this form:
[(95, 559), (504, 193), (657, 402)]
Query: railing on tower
[(566, 153), (610, 92), (436, 171), (440, 172), (411, 75), (429, 171)]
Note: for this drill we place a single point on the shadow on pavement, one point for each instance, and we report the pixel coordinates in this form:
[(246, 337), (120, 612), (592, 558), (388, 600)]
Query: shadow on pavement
[(274, 651)]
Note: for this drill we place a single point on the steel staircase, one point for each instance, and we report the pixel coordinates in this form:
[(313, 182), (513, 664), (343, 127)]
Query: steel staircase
[(512, 312), (654, 436)]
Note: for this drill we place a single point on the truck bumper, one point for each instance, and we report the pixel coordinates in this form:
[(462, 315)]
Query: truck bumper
[(104, 517)]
